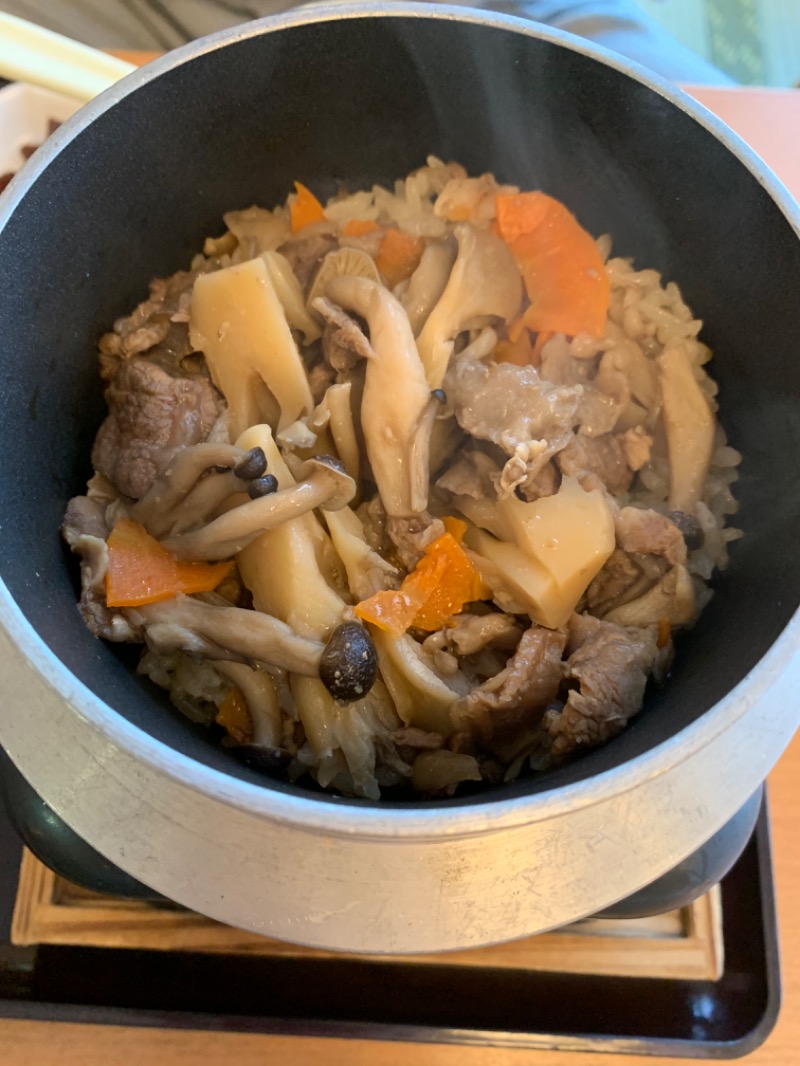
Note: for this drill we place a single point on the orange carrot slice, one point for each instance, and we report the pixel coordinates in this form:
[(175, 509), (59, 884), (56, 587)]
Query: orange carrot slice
[(141, 571), (456, 527), (452, 579), (520, 352), (435, 590), (392, 610), (357, 227), (234, 717), (398, 256), (305, 208), (201, 577), (563, 271)]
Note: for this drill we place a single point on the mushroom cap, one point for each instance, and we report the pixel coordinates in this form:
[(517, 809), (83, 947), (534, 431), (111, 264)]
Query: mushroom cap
[(342, 485), (349, 664), (350, 262)]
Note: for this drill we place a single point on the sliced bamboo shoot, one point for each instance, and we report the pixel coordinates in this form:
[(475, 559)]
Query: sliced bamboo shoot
[(238, 322)]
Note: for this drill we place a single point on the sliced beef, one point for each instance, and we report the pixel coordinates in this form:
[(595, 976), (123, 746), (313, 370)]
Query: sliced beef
[(561, 367), (320, 378), (158, 326), (545, 482), (478, 476), (411, 536), (514, 700), (624, 578), (471, 633), (85, 529), (86, 516), (510, 405), (600, 457), (373, 520), (637, 444), (411, 737), (610, 666), (471, 475), (649, 532), (305, 253), (151, 413)]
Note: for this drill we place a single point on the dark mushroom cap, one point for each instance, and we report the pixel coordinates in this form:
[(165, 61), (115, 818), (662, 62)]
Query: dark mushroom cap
[(349, 664), (269, 761), (690, 528), (254, 465)]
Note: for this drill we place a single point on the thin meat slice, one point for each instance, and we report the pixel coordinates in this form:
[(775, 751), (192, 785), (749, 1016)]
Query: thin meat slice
[(411, 536), (511, 405), (305, 253), (150, 414), (468, 634), (157, 326), (625, 577), (651, 533), (514, 700), (85, 529), (610, 665), (602, 457)]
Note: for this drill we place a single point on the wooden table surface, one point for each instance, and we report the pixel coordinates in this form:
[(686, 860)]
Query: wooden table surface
[(770, 121)]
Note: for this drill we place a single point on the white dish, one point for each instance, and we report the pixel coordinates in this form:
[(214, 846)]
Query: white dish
[(25, 114)]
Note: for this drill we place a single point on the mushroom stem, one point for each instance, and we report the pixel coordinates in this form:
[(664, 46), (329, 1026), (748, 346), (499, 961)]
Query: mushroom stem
[(396, 396), (156, 509), (484, 281), (226, 633), (208, 495), (327, 485), (258, 689)]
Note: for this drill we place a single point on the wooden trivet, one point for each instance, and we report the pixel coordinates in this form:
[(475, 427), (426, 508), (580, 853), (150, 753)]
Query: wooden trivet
[(682, 944)]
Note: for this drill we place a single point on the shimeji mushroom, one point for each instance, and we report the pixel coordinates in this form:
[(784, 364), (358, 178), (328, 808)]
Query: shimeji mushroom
[(484, 282), (218, 631), (421, 697), (690, 428), (156, 510), (349, 664), (343, 668), (263, 751), (397, 411), (344, 262), (282, 569), (427, 283), (327, 484), (168, 508)]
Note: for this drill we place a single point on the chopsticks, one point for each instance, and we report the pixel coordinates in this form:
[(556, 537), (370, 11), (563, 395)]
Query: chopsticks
[(40, 57)]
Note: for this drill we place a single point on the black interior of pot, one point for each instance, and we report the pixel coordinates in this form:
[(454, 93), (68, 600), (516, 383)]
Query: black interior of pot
[(132, 196)]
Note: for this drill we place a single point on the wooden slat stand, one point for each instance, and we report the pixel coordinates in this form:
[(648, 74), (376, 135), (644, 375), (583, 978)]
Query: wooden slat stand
[(684, 944)]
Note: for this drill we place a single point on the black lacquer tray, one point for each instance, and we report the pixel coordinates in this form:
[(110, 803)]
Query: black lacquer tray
[(391, 1000)]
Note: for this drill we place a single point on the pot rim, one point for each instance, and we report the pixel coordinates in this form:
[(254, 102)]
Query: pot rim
[(342, 816)]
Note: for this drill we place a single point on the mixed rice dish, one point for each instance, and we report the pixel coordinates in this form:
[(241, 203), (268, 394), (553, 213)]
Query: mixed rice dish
[(408, 492)]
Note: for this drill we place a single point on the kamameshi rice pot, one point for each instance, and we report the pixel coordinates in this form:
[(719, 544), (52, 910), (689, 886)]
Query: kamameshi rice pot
[(410, 489), (127, 192)]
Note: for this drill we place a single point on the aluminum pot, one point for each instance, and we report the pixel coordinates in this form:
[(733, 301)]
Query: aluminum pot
[(126, 191)]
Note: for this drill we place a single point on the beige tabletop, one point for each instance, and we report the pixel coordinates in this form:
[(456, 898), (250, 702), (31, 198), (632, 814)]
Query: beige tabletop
[(770, 121)]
